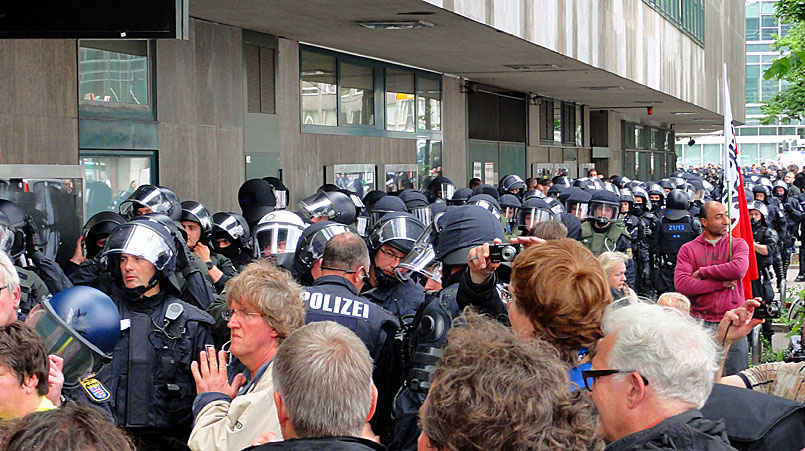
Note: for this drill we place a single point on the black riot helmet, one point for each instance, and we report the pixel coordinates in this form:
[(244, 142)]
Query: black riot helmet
[(417, 204), (486, 201), (761, 189), (276, 237), (462, 228), (195, 212), (638, 208), (563, 180), (511, 184), (626, 198), (762, 209), (577, 203), (98, 227), (256, 199), (12, 235), (664, 184), (441, 188), (509, 206), (385, 205), (398, 230), (175, 212), (676, 205), (310, 247), (486, 189), (555, 190), (460, 197), (281, 192), (604, 206), (333, 205), (151, 198), (232, 227), (780, 189), (534, 211)]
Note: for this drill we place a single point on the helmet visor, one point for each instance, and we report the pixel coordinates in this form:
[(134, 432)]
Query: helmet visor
[(316, 206), (144, 197), (141, 241), (421, 260), (6, 239), (603, 211), (315, 248), (275, 238), (282, 199), (578, 210), (362, 225), (80, 356), (489, 206), (424, 214), (529, 217), (509, 212), (446, 191)]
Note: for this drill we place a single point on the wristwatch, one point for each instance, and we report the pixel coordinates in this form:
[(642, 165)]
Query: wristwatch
[(209, 265)]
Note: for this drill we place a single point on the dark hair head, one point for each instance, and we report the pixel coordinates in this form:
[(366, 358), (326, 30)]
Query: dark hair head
[(23, 351), (69, 428)]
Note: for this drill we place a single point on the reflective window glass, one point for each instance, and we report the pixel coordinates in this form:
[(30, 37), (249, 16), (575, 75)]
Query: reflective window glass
[(429, 103), (752, 84), (318, 85), (113, 72), (108, 180), (400, 100), (357, 95), (579, 126), (711, 153), (747, 153), (428, 160), (768, 151), (557, 122)]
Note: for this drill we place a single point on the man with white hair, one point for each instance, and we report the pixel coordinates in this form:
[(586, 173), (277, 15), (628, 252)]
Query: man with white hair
[(653, 370), (9, 291), (323, 389)]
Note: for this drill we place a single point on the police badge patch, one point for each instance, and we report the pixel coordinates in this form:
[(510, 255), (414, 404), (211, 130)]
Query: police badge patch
[(94, 388)]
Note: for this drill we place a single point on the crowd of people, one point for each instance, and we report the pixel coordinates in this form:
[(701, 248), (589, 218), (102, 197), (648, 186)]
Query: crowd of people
[(538, 314)]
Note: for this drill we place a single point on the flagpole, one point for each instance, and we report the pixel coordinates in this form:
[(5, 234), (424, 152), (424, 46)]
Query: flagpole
[(727, 142)]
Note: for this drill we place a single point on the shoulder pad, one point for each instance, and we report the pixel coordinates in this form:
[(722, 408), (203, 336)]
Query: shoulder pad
[(94, 389), (191, 312)]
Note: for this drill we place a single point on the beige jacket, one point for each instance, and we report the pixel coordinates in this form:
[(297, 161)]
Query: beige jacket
[(235, 425)]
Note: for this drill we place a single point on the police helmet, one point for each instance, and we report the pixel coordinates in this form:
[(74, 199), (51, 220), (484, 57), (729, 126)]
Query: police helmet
[(510, 183), (417, 204), (385, 205), (98, 227), (148, 197), (664, 184), (256, 199), (676, 205), (175, 212), (577, 204), (556, 206), (195, 212), (486, 189), (334, 205), (398, 230), (638, 192), (604, 206), (509, 205), (310, 247), (12, 235), (81, 325), (780, 184), (276, 236), (281, 192), (555, 190), (460, 197), (462, 228), (232, 227), (143, 237), (677, 182), (563, 180), (534, 211), (441, 188), (533, 193), (626, 195), (371, 198), (697, 187), (611, 188), (486, 201), (765, 181), (761, 208)]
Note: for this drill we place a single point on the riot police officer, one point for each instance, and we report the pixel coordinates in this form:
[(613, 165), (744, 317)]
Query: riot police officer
[(328, 206), (532, 212), (441, 188), (643, 209), (510, 206), (230, 238), (151, 199), (462, 238), (197, 223), (636, 228), (148, 386), (256, 199), (417, 204), (276, 237), (389, 240), (14, 241), (673, 229), (602, 231), (793, 217), (511, 184), (334, 297), (766, 244)]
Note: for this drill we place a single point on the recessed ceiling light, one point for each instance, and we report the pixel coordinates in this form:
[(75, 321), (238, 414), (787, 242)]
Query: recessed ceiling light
[(395, 24)]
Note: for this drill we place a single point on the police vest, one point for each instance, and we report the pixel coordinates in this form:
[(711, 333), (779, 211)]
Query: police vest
[(598, 242), (673, 234)]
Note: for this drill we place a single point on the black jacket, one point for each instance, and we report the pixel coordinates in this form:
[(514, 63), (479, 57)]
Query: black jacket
[(323, 444), (688, 431)]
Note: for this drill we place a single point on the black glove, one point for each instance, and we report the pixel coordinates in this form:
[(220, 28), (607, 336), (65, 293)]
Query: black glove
[(30, 237)]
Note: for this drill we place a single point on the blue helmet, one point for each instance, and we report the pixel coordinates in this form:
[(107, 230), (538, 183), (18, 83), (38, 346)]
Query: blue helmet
[(81, 325)]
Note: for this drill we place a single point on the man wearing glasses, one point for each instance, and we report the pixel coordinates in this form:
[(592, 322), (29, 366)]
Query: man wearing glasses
[(334, 297), (652, 372), (233, 409)]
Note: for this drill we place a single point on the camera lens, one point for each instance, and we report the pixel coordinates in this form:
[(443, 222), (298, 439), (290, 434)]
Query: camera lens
[(508, 253)]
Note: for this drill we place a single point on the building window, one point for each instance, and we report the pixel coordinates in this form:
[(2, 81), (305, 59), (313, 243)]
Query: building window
[(110, 176), (687, 15), (260, 82), (579, 126), (356, 95), (428, 159), (429, 103), (400, 100), (318, 85), (557, 122), (114, 72)]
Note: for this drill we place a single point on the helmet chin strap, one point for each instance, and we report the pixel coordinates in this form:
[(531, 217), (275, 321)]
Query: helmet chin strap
[(384, 280), (140, 290)]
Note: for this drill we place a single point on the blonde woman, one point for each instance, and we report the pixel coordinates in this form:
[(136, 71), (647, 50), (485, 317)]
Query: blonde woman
[(614, 264)]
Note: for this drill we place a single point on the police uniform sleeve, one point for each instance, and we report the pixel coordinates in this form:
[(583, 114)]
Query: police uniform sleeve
[(51, 274), (87, 272)]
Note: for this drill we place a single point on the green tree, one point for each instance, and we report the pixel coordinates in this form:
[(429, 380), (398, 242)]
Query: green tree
[(789, 103)]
